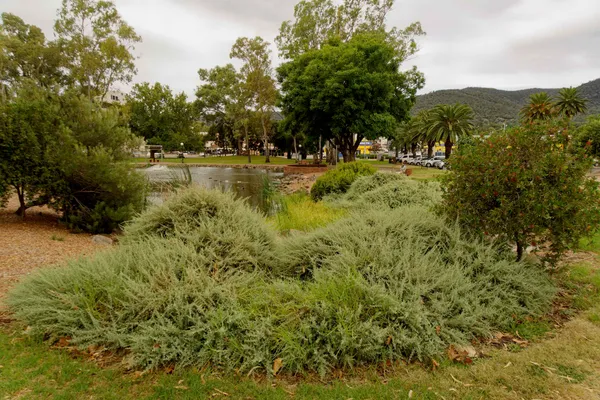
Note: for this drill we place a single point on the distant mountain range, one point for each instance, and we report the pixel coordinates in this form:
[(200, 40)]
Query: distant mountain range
[(495, 107)]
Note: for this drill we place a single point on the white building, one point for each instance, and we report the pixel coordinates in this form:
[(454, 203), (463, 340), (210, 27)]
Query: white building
[(114, 96)]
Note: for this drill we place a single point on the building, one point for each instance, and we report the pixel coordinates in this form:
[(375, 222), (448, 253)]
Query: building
[(114, 96)]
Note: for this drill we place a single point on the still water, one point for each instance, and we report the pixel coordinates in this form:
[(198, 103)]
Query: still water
[(245, 183)]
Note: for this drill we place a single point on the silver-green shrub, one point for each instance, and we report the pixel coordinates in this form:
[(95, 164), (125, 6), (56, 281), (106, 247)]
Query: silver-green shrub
[(201, 280), (216, 223)]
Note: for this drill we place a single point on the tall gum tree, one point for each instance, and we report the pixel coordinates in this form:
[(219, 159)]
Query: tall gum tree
[(257, 74), (97, 45)]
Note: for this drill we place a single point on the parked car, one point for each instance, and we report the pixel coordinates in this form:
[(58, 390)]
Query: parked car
[(415, 160), (432, 162)]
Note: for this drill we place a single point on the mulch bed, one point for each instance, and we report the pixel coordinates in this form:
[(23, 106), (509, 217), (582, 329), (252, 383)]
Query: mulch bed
[(37, 241)]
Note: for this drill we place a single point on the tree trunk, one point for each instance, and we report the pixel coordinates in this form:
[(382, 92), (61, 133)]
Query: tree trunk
[(413, 149), (296, 148), (266, 140), (519, 248), (448, 145), (248, 144), (22, 207), (430, 146), (320, 150)]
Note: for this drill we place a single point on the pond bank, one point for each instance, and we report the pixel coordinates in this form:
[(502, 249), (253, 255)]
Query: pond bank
[(273, 168)]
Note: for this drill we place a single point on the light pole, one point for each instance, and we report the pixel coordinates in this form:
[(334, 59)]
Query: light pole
[(181, 155)]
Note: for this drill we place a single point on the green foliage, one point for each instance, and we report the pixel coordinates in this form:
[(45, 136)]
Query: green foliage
[(339, 179), (347, 89), (98, 194), (448, 123), (32, 138), (318, 21), (525, 186), (540, 108), (161, 117), (389, 190), (96, 45), (220, 226), (26, 55), (299, 212), (569, 103), (588, 136)]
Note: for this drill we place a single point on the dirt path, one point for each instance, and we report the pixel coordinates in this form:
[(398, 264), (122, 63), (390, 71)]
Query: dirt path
[(38, 241)]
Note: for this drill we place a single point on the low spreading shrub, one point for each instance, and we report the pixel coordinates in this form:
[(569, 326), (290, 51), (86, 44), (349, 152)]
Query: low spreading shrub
[(339, 180), (183, 288), (388, 190), (216, 223)]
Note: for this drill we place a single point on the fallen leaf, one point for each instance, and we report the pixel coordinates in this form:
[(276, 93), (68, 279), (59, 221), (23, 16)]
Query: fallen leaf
[(410, 394), (182, 387), (388, 341), (169, 370), (438, 329), (277, 364), (435, 364), (508, 365)]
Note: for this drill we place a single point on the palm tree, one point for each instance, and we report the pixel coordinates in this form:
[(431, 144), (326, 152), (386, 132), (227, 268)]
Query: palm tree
[(540, 107), (421, 133), (447, 123), (569, 103)]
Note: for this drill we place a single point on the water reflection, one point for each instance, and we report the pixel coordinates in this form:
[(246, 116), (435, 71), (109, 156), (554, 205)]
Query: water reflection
[(245, 183)]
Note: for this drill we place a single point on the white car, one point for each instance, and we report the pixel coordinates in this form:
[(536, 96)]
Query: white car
[(433, 162)]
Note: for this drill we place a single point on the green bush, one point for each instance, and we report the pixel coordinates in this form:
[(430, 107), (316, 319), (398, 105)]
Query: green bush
[(214, 222), (388, 190), (526, 186), (339, 180), (374, 286), (97, 194)]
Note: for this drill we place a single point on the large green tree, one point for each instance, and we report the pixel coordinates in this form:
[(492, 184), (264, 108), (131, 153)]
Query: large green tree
[(161, 117), (96, 45), (257, 75), (25, 55), (448, 123), (318, 21), (348, 91), (223, 102), (33, 140)]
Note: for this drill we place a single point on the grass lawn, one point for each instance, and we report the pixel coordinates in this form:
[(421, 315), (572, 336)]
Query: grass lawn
[(223, 160)]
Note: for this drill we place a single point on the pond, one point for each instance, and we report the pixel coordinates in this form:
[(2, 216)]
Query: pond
[(245, 183)]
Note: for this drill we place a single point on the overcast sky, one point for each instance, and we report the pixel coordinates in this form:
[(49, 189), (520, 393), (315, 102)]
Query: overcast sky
[(505, 44)]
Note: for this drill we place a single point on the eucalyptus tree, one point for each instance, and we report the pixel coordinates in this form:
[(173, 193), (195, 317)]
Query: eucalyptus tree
[(96, 44), (257, 75), (25, 54), (569, 103), (318, 21), (448, 123)]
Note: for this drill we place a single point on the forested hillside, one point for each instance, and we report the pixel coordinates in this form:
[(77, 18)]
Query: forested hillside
[(493, 106)]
